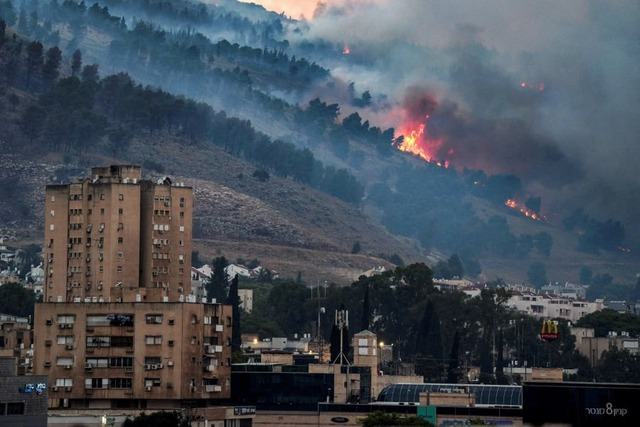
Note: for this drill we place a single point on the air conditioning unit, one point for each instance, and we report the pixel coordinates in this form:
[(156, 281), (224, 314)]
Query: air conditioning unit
[(69, 347), (54, 388), (170, 363), (148, 388), (67, 389), (68, 366), (88, 366)]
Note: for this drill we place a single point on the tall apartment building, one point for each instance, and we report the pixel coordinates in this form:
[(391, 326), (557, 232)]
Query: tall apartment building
[(118, 326)]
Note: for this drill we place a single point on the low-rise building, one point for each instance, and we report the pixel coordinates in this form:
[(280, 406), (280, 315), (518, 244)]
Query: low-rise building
[(593, 347), (551, 306), (23, 399), (133, 354), (16, 338)]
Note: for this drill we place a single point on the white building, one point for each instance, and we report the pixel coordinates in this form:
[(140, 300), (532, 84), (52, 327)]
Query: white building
[(246, 299), (199, 278), (550, 306)]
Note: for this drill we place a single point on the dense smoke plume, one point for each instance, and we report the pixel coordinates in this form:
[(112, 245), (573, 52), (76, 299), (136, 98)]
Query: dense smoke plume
[(547, 90)]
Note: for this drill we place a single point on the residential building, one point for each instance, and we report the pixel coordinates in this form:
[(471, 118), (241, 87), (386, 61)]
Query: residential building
[(115, 237), (593, 347), (16, 340), (23, 399), (118, 327), (566, 290), (133, 355), (554, 307)]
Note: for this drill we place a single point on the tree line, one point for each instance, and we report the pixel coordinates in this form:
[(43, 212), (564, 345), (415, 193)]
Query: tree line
[(73, 114)]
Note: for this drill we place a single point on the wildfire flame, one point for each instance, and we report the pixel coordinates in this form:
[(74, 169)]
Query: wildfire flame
[(416, 141), (525, 211)]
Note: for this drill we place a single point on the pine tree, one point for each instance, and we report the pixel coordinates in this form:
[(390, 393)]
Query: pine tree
[(366, 309), (34, 60), (76, 63), (51, 68)]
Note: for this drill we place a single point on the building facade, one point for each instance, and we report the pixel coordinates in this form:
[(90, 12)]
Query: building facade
[(16, 340), (118, 327), (23, 399), (114, 237)]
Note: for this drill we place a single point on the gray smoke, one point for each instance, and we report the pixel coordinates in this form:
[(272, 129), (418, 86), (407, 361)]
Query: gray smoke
[(549, 90)]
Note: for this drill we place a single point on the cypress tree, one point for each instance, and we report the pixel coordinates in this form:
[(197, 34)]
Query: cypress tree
[(453, 374), (234, 301)]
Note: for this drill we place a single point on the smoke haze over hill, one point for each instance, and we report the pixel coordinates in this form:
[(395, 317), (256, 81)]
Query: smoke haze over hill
[(547, 90)]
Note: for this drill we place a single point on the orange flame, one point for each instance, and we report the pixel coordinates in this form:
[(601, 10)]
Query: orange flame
[(525, 211), (416, 141)]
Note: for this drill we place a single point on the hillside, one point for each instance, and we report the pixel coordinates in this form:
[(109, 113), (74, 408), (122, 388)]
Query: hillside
[(339, 155)]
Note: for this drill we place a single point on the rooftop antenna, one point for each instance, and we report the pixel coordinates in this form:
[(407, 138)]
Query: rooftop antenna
[(342, 322)]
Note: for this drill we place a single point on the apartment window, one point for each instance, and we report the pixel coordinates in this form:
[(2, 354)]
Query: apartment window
[(65, 339), (52, 212), (97, 362), (120, 211), (120, 196), (15, 408), (53, 198), (153, 339), (152, 382), (119, 382), (66, 319), (121, 362), (181, 214), (182, 228), (182, 202), (101, 196), (153, 319), (64, 382), (101, 211), (89, 197), (98, 341), (152, 360), (121, 341), (51, 227), (96, 383), (181, 242), (64, 361), (101, 268), (89, 211), (120, 241)]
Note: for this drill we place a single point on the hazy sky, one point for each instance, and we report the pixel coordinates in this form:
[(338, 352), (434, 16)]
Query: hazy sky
[(293, 8)]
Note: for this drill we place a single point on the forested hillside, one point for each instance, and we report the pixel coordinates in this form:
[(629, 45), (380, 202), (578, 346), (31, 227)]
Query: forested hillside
[(60, 115), (254, 99)]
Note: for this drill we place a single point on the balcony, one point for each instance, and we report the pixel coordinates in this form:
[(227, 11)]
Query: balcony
[(212, 349)]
